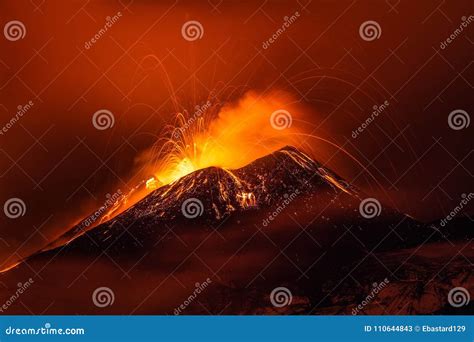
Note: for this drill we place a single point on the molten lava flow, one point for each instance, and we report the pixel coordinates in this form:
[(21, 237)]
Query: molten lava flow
[(228, 137), (152, 184)]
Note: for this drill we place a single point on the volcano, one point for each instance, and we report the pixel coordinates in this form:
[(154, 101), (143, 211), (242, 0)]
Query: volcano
[(284, 220), (217, 194)]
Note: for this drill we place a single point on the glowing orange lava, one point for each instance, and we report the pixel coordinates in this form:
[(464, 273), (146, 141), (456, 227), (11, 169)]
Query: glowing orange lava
[(229, 137), (152, 184)]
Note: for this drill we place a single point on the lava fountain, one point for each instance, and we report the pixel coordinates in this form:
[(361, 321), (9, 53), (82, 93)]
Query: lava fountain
[(227, 136)]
